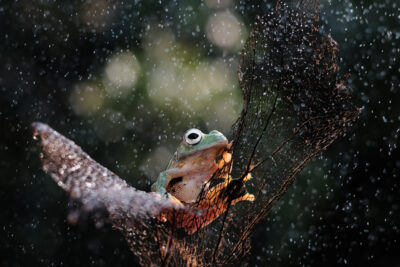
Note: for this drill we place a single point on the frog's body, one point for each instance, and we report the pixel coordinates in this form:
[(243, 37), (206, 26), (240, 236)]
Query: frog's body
[(192, 166)]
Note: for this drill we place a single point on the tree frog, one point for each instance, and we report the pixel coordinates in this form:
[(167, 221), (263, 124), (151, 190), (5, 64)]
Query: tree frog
[(192, 165), (199, 158)]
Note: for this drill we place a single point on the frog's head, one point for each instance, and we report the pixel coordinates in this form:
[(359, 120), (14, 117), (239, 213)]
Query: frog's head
[(195, 140)]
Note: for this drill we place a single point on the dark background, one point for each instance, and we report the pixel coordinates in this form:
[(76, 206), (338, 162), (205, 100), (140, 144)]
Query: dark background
[(56, 66)]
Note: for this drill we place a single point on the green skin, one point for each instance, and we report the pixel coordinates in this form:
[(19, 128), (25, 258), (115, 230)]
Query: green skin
[(194, 165)]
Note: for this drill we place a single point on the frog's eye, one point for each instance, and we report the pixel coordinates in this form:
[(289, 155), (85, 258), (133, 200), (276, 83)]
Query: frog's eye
[(193, 136)]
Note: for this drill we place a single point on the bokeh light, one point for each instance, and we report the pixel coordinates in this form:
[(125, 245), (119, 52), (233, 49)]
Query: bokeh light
[(159, 43), (122, 71), (224, 30)]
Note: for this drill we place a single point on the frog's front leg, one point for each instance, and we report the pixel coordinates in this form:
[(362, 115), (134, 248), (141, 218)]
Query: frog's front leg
[(164, 178), (160, 186)]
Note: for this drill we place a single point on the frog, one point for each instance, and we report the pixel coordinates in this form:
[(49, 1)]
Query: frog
[(199, 158), (192, 165)]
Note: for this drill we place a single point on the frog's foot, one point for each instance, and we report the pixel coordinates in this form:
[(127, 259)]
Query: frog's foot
[(174, 200), (227, 156), (225, 159), (245, 197), (247, 177), (229, 186)]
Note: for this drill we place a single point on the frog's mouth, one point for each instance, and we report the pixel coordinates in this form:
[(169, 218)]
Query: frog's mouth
[(219, 145)]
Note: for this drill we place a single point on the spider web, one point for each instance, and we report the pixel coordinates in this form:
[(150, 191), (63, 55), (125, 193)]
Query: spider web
[(295, 105)]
